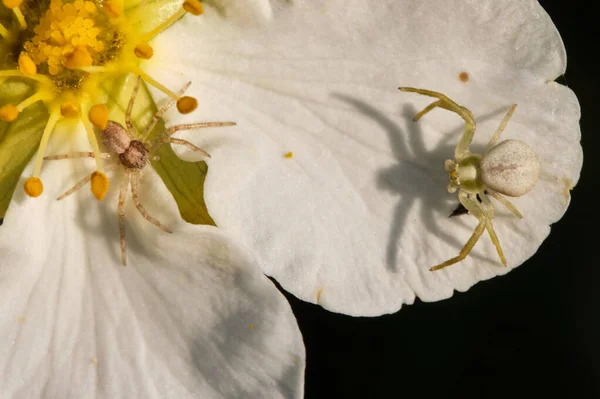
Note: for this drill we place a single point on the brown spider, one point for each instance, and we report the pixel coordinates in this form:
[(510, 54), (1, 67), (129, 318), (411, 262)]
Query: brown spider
[(510, 168), (133, 151)]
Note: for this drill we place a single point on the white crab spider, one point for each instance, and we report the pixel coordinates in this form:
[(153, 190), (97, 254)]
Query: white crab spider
[(510, 168)]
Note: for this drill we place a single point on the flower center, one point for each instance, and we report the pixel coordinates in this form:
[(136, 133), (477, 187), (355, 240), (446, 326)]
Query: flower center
[(74, 45), (69, 36)]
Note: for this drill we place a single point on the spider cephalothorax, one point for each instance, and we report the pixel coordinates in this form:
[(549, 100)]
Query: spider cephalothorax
[(134, 151), (510, 168)]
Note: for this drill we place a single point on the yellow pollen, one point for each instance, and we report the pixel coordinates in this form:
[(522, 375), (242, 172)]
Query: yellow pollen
[(194, 7), (12, 3), (114, 8), (26, 65), (66, 36), (289, 155), (33, 187), (80, 57), (143, 51), (187, 104), (70, 109), (8, 113), (98, 115), (99, 185)]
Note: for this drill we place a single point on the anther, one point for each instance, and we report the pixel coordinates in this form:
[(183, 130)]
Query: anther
[(194, 7), (79, 58), (33, 187), (70, 109), (26, 65), (8, 113), (98, 115), (99, 185), (114, 8), (186, 104), (143, 51), (12, 3)]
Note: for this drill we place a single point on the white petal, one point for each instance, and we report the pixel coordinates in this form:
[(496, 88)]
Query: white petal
[(189, 316), (355, 219)]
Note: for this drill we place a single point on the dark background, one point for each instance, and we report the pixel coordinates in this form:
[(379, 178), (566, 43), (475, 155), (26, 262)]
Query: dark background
[(533, 332)]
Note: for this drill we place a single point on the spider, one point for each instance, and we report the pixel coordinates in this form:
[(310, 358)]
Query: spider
[(509, 168), (134, 150)]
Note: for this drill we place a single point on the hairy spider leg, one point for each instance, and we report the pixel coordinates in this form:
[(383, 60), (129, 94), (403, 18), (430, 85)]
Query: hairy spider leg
[(159, 141), (74, 155), (135, 184), (121, 212), (462, 149), (130, 128), (159, 113), (500, 129)]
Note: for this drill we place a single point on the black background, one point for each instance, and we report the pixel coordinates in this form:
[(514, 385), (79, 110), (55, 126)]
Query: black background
[(535, 331)]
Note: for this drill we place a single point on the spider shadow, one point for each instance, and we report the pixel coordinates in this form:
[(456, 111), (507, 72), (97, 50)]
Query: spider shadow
[(418, 179)]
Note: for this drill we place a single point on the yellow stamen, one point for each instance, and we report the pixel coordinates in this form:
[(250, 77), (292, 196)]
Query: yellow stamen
[(17, 72), (33, 187), (70, 109), (143, 51), (99, 185), (80, 57), (98, 115), (114, 8), (153, 82), (26, 65), (8, 113), (289, 155), (168, 22), (54, 116), (39, 96), (186, 104), (194, 7), (14, 5), (4, 32), (94, 142)]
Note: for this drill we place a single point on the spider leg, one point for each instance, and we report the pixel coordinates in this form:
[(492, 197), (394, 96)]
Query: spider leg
[(189, 145), (69, 156), (446, 103), (482, 215), (489, 211), (76, 187), (500, 129), (121, 211), (136, 200), (156, 143), (505, 202), (130, 128), (158, 115)]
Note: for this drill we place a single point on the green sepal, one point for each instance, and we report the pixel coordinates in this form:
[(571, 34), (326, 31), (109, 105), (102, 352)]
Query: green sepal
[(19, 140), (185, 180)]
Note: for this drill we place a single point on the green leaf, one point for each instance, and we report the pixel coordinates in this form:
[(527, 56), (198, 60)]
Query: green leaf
[(185, 180), (19, 140)]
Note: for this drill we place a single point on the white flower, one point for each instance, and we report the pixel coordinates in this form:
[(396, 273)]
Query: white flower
[(191, 315), (357, 213)]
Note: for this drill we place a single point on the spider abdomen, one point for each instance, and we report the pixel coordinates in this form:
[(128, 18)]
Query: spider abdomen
[(510, 168), (135, 156), (115, 137)]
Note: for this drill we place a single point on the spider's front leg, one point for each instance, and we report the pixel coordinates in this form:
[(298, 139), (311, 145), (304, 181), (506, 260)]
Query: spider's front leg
[(446, 103)]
